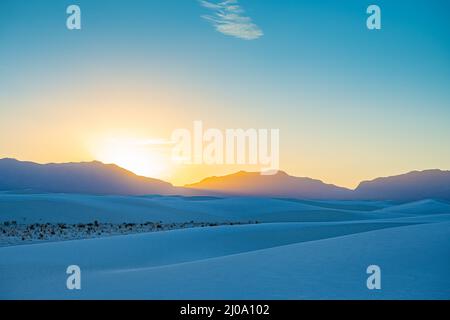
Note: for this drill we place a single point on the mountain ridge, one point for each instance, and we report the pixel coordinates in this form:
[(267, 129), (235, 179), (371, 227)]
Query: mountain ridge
[(279, 184), (95, 177), (76, 177)]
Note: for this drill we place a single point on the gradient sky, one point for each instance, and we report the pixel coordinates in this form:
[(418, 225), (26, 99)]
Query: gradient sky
[(351, 104)]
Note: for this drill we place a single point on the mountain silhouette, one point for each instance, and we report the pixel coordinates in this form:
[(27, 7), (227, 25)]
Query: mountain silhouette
[(99, 178), (278, 185), (414, 185), (84, 177)]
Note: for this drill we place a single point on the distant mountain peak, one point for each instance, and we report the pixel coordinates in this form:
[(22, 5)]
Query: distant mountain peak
[(414, 185), (279, 184)]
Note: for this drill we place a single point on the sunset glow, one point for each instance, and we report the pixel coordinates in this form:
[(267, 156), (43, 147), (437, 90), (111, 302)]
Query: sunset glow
[(139, 157), (348, 116)]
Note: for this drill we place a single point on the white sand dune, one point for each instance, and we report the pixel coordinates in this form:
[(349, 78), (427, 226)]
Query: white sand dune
[(427, 206), (282, 260), (73, 208), (258, 261)]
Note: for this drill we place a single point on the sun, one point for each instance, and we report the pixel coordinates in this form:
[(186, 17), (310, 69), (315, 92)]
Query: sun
[(141, 158)]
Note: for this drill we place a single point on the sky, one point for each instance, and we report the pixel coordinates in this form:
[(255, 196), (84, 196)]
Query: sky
[(351, 103)]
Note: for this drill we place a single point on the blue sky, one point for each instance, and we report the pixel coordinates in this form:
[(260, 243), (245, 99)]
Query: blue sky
[(339, 92)]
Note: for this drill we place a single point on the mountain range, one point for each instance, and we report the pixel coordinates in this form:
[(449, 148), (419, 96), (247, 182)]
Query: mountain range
[(82, 177), (278, 185), (99, 178)]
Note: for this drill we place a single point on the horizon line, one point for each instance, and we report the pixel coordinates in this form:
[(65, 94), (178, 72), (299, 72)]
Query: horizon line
[(221, 176)]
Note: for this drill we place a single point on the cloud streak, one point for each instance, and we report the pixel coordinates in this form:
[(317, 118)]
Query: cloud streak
[(229, 18)]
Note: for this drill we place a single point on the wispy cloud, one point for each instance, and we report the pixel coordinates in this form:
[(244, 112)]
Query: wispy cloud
[(229, 18)]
